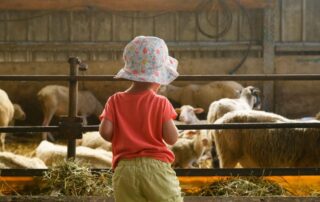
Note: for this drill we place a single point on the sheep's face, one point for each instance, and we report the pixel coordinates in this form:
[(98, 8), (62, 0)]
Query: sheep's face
[(188, 114), (253, 94), (256, 98), (19, 114)]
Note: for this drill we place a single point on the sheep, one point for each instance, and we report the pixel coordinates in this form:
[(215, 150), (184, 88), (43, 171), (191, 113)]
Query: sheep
[(10, 160), (8, 113), (94, 141), (189, 151), (54, 100), (285, 147), (249, 99), (187, 115), (51, 154), (201, 95)]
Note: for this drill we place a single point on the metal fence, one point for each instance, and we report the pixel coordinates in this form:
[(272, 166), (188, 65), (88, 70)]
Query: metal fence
[(72, 127)]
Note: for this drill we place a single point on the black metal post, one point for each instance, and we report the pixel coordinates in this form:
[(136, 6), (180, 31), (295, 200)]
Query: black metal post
[(73, 102)]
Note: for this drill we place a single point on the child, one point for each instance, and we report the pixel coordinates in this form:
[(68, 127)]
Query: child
[(139, 122)]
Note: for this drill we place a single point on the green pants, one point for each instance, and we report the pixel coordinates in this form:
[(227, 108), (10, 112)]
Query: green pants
[(145, 179)]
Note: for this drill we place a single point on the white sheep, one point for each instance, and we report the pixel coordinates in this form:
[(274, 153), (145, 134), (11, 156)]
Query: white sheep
[(187, 115), (94, 141), (249, 99), (284, 147), (188, 151), (201, 95), (51, 154), (10, 160), (54, 100), (8, 113)]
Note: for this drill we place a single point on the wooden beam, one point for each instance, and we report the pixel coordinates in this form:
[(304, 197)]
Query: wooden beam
[(268, 58), (119, 5)]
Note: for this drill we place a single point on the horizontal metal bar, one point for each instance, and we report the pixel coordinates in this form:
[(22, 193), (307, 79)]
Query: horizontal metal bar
[(249, 172), (13, 129), (192, 172), (19, 129), (250, 77)]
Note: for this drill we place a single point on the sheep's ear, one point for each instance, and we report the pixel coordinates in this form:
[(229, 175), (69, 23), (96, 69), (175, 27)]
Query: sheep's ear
[(178, 110), (255, 91), (198, 110), (191, 132)]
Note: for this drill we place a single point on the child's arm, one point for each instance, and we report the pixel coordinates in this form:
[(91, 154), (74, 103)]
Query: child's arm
[(106, 129), (170, 132)]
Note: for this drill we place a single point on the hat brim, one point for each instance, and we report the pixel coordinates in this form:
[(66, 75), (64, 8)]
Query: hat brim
[(168, 74)]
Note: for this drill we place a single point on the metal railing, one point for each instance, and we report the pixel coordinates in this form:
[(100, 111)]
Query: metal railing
[(73, 128)]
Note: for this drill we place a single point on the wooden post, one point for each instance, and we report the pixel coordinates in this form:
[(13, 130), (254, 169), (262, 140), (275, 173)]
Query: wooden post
[(268, 57)]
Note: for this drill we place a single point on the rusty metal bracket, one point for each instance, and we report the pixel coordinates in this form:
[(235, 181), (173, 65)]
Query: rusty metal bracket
[(71, 127)]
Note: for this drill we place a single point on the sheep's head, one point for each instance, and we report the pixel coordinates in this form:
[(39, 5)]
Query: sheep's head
[(257, 98), (188, 114), (19, 114), (253, 95)]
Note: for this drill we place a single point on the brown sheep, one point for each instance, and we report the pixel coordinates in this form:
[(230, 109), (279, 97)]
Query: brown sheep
[(284, 147), (54, 100), (201, 95), (8, 113)]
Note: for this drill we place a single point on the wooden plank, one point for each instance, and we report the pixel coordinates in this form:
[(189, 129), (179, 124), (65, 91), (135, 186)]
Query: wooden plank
[(122, 27), (102, 26), (143, 24), (123, 5), (17, 30), (208, 25), (256, 20), (228, 19), (3, 26), (312, 20), (59, 27), (291, 19), (165, 26), (277, 20), (18, 56), (268, 59), (38, 27), (187, 24), (81, 26)]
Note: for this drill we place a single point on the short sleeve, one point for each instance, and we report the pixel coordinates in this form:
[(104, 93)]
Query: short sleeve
[(108, 111), (168, 111)]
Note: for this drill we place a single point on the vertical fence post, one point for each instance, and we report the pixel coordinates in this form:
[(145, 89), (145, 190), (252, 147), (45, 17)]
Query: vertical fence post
[(268, 56), (73, 102)]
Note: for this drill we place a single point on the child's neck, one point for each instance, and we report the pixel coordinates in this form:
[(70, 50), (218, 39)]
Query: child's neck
[(137, 87)]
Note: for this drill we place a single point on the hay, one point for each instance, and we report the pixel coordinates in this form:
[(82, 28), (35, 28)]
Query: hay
[(69, 178), (243, 186)]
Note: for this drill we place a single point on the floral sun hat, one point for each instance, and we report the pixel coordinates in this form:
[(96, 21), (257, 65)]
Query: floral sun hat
[(147, 60)]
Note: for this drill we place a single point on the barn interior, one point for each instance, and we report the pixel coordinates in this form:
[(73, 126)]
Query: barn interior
[(226, 37)]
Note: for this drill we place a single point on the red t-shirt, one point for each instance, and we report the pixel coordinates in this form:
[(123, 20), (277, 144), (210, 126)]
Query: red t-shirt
[(137, 125)]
